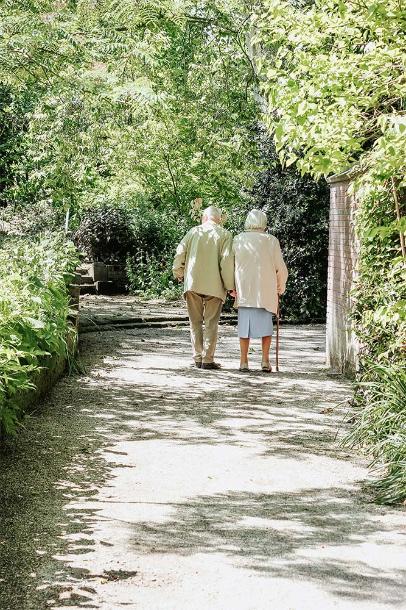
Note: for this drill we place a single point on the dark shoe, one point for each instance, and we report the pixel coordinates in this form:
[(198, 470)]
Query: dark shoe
[(198, 364), (244, 368), (266, 367), (212, 366)]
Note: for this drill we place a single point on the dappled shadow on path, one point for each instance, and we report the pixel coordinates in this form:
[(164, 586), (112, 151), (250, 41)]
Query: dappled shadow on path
[(153, 395), (144, 455), (309, 534)]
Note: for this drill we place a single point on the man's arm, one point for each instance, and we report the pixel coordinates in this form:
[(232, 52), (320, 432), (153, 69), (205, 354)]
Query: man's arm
[(178, 267), (227, 262), (281, 269)]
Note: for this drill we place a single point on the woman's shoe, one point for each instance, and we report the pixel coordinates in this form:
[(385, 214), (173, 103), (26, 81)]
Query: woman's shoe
[(266, 367), (244, 367)]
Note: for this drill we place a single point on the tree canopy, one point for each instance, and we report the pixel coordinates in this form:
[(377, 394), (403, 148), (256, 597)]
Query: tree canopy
[(128, 100)]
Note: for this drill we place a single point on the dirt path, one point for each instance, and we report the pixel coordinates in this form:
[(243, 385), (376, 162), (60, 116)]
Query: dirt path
[(148, 484)]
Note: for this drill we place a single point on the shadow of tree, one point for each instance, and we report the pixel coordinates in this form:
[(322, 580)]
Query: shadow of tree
[(279, 535), (143, 395), (138, 386)]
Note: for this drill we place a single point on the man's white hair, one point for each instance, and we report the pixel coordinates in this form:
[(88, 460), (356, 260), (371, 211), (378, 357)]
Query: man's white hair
[(256, 219), (212, 213)]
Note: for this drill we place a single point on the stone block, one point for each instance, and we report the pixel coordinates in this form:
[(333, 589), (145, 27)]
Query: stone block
[(98, 271), (116, 273), (88, 289)]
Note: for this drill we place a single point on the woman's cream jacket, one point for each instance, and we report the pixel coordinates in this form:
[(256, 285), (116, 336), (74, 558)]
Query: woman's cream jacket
[(260, 271)]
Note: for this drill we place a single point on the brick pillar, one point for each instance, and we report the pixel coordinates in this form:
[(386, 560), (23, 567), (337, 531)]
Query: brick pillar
[(341, 346)]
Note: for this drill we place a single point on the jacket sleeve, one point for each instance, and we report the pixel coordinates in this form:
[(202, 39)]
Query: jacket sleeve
[(227, 262), (178, 267), (281, 269)]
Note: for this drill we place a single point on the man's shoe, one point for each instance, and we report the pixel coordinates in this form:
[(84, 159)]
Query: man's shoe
[(212, 366), (198, 364)]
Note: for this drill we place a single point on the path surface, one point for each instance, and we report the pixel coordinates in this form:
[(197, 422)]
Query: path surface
[(145, 483)]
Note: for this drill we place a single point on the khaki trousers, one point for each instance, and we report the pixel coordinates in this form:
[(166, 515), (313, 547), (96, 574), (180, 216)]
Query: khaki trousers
[(202, 308)]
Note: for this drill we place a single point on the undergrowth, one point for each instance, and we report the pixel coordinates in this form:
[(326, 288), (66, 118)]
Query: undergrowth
[(34, 310)]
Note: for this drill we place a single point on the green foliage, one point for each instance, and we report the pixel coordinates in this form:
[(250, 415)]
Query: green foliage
[(152, 100), (379, 295), (331, 97), (381, 427), (34, 306), (105, 234), (152, 275), (12, 109), (335, 101), (25, 220)]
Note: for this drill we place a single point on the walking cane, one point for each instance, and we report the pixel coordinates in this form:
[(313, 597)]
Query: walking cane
[(277, 336)]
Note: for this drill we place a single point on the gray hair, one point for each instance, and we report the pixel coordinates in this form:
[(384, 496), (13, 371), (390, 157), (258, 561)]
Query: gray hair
[(212, 213), (256, 219)]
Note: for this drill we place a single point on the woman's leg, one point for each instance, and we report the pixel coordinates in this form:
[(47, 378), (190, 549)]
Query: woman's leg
[(266, 346), (244, 347)]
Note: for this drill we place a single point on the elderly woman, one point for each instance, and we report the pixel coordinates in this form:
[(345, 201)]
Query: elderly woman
[(260, 277)]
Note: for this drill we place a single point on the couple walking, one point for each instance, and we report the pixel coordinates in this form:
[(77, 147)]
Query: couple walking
[(250, 267)]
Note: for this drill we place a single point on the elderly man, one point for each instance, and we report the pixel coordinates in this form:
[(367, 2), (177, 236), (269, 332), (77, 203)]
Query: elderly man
[(204, 260)]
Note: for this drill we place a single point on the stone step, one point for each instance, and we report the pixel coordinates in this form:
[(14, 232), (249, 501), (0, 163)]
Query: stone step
[(114, 325), (86, 279), (88, 289), (83, 269), (110, 287)]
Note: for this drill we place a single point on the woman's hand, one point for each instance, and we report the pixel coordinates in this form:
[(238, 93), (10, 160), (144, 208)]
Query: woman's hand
[(233, 293)]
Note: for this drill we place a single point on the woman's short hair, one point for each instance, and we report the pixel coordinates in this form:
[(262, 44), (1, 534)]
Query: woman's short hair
[(256, 219)]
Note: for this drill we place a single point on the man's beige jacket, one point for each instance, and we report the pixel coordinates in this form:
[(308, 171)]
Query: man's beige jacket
[(260, 271), (205, 260)]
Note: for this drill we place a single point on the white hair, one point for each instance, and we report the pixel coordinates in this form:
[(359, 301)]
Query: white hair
[(212, 213), (256, 219)]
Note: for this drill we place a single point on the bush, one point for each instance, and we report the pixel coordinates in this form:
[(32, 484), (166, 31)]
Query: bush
[(381, 428), (149, 269), (34, 309), (139, 236), (379, 321), (115, 233), (32, 219), (105, 234), (379, 296), (152, 275)]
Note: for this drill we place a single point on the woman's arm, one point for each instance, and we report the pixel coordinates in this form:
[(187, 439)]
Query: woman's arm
[(281, 269)]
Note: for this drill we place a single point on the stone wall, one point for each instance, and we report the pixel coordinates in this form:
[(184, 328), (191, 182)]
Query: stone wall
[(341, 347)]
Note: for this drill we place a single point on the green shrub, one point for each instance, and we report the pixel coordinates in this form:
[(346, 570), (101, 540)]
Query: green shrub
[(152, 275), (149, 268), (32, 219), (379, 321), (105, 233), (379, 296), (381, 428), (34, 309)]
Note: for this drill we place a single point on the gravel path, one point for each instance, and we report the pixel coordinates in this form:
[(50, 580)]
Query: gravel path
[(146, 483)]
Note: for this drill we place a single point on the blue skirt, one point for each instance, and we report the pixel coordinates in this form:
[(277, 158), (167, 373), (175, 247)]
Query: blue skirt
[(254, 323)]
